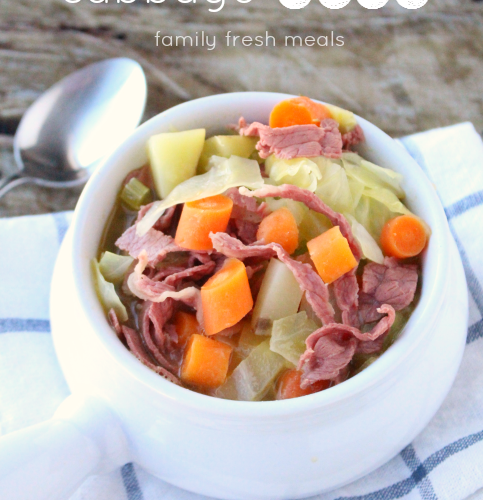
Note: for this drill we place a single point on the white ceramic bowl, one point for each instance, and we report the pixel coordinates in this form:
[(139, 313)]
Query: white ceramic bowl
[(239, 450)]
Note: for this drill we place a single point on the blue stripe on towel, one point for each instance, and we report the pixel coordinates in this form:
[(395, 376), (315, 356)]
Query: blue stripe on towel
[(467, 203), (475, 332), (24, 325), (131, 482), (402, 488), (419, 473)]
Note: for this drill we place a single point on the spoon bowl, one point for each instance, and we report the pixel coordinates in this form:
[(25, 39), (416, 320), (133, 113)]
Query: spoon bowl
[(68, 130)]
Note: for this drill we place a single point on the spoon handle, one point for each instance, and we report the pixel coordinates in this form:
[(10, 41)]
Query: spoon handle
[(10, 181)]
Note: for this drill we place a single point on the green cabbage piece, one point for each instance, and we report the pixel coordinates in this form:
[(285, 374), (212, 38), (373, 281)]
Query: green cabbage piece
[(222, 174), (289, 335), (254, 376), (313, 224), (107, 293), (333, 188), (371, 175), (114, 267), (300, 172), (369, 247)]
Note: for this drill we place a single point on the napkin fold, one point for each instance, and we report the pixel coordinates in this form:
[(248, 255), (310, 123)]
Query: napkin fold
[(444, 462)]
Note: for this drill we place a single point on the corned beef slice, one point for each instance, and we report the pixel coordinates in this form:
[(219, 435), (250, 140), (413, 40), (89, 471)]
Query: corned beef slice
[(389, 283), (309, 281), (331, 348), (353, 137), (297, 141)]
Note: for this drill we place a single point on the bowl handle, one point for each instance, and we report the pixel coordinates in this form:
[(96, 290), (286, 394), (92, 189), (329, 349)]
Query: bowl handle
[(50, 460)]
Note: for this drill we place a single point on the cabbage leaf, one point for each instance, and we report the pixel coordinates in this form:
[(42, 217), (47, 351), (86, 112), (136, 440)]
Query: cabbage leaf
[(289, 335), (300, 172), (370, 248), (107, 293), (222, 175)]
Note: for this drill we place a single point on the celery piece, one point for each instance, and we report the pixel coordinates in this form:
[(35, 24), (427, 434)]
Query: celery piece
[(279, 296), (226, 146), (135, 194), (107, 293), (253, 377), (289, 335), (114, 267)]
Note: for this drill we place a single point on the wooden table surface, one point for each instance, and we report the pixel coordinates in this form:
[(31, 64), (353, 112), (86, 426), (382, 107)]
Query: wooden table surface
[(404, 70)]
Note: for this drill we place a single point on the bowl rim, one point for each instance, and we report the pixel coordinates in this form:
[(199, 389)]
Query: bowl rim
[(417, 329)]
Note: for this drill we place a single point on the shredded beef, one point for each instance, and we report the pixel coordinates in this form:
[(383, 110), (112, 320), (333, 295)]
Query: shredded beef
[(114, 321), (194, 273), (331, 348), (313, 202), (136, 346), (346, 291), (297, 141), (309, 281), (153, 318), (156, 244), (389, 283), (353, 137)]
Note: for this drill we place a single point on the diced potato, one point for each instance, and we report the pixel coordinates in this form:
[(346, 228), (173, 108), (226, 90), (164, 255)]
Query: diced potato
[(345, 119), (173, 157), (226, 146), (254, 376), (279, 296)]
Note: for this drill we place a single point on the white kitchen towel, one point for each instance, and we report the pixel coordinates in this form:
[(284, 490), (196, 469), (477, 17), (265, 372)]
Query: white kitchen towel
[(444, 462)]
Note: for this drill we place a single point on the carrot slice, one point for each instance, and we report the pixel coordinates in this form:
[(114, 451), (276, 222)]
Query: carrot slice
[(280, 227), (288, 113), (201, 217), (404, 236), (331, 255), (205, 363), (289, 385), (298, 111), (226, 297), (186, 325), (318, 111)]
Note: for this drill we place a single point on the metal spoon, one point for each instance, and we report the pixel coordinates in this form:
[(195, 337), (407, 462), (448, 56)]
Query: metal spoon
[(67, 131)]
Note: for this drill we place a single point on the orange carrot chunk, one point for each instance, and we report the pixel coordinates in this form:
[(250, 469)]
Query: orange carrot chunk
[(280, 227), (201, 217), (226, 297), (404, 236), (186, 325), (318, 111), (289, 385), (205, 362), (331, 255), (288, 113)]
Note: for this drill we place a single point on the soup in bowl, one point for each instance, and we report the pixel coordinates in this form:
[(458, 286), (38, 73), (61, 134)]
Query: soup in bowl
[(233, 445)]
